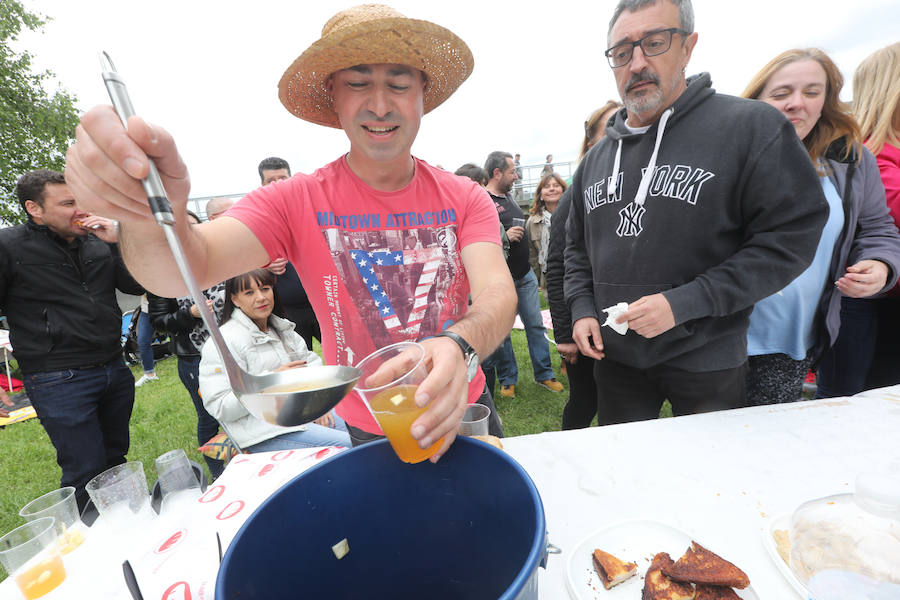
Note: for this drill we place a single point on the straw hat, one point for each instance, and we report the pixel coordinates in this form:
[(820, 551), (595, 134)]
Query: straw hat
[(373, 34)]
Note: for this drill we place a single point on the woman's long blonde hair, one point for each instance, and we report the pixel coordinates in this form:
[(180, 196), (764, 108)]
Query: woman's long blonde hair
[(876, 98), (836, 121)]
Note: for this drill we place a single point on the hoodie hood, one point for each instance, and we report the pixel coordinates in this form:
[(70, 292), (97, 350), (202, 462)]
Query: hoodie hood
[(698, 88)]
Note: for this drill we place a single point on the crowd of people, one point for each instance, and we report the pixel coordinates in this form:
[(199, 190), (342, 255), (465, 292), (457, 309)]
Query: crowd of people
[(708, 251)]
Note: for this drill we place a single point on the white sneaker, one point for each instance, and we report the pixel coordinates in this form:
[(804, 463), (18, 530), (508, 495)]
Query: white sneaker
[(144, 379)]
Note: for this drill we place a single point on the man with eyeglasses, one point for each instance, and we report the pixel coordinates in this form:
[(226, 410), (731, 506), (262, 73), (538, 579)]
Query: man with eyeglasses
[(694, 206)]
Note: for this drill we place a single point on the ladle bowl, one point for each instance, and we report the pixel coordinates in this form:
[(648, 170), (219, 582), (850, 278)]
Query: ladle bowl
[(316, 390), (286, 398)]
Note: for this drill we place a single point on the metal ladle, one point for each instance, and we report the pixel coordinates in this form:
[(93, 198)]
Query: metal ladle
[(287, 398)]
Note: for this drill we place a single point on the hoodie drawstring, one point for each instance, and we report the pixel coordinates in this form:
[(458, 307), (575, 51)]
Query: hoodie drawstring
[(647, 177)]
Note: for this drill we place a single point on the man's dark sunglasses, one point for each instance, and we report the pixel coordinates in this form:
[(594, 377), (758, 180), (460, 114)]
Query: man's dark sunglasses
[(652, 44)]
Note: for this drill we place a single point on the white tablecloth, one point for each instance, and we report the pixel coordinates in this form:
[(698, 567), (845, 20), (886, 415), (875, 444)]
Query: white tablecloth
[(719, 477)]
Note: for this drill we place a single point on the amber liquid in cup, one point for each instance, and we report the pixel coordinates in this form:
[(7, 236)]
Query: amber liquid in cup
[(40, 579), (396, 411)]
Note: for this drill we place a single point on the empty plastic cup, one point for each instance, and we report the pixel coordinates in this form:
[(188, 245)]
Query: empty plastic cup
[(31, 556), (59, 504), (121, 496), (178, 483), (475, 420)]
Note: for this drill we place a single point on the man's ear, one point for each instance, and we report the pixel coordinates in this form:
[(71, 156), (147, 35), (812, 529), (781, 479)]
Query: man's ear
[(689, 44), (34, 209)]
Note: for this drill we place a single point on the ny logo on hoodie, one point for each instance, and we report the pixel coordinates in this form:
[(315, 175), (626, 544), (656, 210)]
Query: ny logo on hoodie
[(630, 220)]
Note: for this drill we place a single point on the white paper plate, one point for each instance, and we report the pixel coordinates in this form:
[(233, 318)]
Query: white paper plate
[(768, 537), (632, 541)]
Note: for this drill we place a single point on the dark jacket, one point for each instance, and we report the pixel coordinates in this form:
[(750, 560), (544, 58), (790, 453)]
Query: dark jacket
[(869, 232), (60, 298), (733, 213), (517, 261), (556, 270), (173, 315)]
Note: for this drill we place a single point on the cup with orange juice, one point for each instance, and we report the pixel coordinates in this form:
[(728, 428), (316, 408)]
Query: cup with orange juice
[(390, 378), (30, 555), (59, 504)]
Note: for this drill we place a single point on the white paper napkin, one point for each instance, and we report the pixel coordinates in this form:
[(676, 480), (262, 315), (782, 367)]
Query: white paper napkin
[(614, 312)]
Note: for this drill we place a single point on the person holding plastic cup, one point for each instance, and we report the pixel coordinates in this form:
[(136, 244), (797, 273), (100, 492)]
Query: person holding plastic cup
[(260, 341), (373, 73)]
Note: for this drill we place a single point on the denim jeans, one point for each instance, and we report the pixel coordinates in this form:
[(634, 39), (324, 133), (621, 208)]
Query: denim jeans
[(313, 437), (85, 412), (145, 335), (207, 426), (529, 308)]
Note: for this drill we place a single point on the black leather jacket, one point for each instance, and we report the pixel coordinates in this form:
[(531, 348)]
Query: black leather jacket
[(60, 298), (175, 318)]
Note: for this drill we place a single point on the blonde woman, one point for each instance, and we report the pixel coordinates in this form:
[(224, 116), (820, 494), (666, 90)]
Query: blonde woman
[(859, 250), (546, 198), (876, 105)]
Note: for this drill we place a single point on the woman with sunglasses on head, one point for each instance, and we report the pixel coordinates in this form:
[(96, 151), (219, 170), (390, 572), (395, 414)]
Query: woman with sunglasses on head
[(859, 251), (876, 105), (581, 407), (261, 342)]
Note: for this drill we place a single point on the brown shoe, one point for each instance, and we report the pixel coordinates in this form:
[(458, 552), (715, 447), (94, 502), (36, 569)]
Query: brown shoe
[(508, 391), (551, 384)]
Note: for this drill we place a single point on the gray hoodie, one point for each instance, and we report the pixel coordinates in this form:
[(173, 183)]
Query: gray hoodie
[(716, 206)]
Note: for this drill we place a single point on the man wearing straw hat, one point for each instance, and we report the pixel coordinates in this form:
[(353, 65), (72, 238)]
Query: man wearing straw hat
[(373, 73)]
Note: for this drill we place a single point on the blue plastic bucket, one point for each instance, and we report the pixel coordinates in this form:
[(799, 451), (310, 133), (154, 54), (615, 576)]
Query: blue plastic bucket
[(471, 526)]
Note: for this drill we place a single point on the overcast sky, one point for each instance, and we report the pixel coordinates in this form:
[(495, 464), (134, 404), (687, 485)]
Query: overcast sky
[(208, 71)]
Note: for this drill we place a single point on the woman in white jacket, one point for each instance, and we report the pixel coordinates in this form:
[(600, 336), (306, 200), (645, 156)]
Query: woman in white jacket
[(260, 342)]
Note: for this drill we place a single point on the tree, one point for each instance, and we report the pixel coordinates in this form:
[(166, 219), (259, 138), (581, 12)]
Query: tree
[(35, 127)]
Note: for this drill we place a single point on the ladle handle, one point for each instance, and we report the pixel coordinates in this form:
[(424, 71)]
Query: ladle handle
[(162, 210)]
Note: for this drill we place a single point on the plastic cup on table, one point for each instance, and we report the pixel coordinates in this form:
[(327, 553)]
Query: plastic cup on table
[(388, 384), (121, 496), (177, 482), (475, 420), (59, 504), (30, 555)]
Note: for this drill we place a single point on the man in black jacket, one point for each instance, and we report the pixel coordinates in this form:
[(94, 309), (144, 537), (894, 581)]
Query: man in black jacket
[(58, 276)]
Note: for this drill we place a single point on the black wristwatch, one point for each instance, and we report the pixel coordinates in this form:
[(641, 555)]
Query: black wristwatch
[(469, 354)]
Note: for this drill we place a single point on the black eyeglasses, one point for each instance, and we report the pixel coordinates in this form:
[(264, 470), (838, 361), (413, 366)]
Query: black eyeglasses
[(652, 44)]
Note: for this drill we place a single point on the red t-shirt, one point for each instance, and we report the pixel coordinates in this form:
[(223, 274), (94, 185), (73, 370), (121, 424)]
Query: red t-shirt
[(379, 267)]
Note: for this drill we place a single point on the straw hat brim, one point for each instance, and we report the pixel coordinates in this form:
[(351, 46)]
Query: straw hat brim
[(444, 58)]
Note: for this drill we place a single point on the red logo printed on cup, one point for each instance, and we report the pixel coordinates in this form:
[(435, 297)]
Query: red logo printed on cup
[(322, 453), (173, 593), (230, 510), (212, 494), (283, 454), (265, 470), (171, 542)]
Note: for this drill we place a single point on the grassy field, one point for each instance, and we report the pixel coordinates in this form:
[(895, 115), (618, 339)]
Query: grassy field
[(164, 419)]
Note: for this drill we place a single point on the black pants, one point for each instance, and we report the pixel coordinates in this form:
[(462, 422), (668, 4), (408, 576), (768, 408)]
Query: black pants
[(583, 401), (626, 394), (85, 412)]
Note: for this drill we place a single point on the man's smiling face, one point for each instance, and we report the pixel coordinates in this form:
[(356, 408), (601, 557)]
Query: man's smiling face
[(380, 108)]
